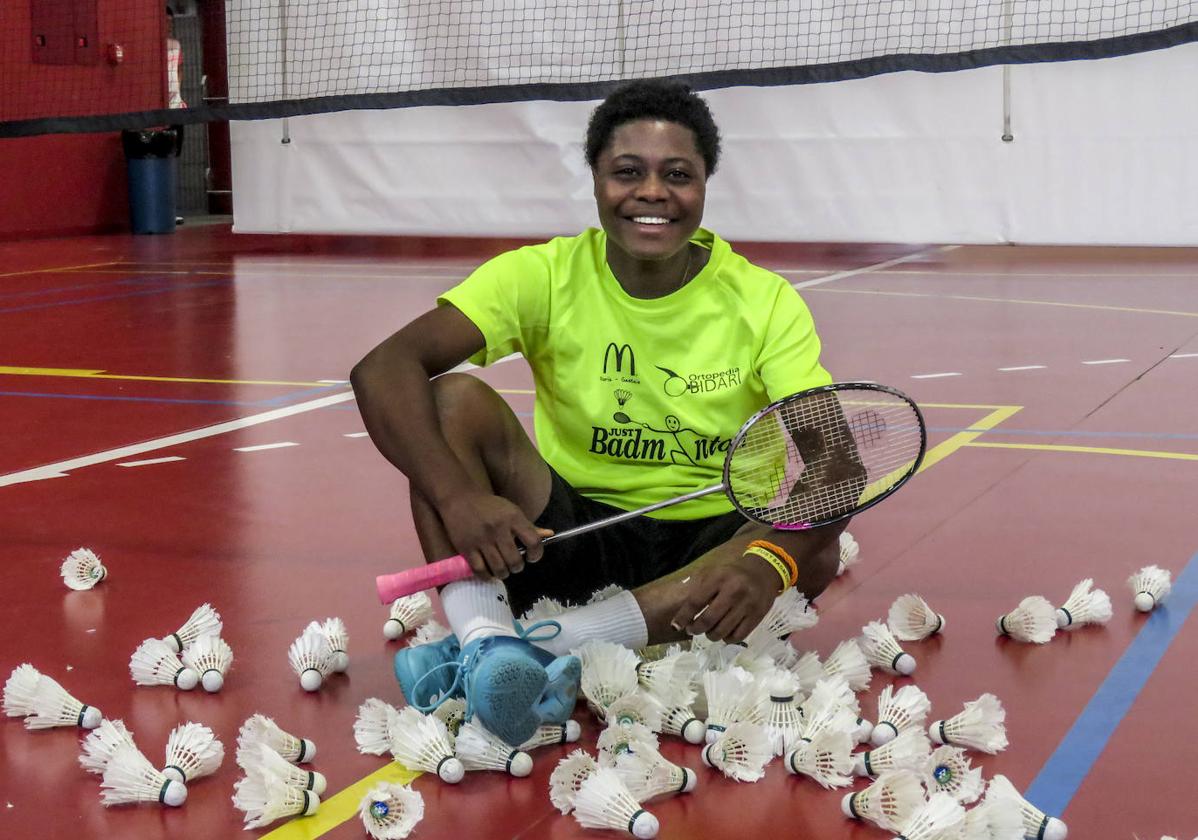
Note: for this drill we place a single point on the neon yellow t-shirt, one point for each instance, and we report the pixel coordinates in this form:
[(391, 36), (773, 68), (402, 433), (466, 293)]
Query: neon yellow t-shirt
[(637, 400)]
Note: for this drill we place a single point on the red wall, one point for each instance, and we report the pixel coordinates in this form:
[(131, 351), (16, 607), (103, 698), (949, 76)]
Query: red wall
[(67, 184)]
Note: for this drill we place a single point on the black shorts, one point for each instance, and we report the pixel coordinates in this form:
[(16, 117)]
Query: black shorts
[(628, 554)]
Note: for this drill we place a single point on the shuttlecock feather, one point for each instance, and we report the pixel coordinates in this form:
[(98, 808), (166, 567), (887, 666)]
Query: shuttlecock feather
[(740, 753), (908, 751), (373, 726), (129, 777), (889, 802), (155, 663), (900, 710), (259, 729), (647, 774), (192, 752), (1034, 620), (1150, 586), (827, 759), (733, 696), (940, 818), (981, 726), (101, 743), (82, 570), (882, 650), (311, 659), (261, 759), (603, 801), (948, 770), (1085, 605), (480, 749), (566, 778), (850, 553), (790, 613), (608, 672), (408, 613), (911, 619), (52, 705), (265, 797), (422, 742), (19, 689), (211, 658), (1035, 822), (204, 621)]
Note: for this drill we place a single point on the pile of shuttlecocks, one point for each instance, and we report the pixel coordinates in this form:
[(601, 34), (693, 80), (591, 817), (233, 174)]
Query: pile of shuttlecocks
[(273, 786), (205, 657), (129, 777)]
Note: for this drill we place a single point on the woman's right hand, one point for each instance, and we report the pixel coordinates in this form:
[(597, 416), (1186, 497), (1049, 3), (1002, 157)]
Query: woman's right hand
[(487, 530)]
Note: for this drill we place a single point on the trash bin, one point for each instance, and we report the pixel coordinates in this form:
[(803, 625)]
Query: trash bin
[(153, 175)]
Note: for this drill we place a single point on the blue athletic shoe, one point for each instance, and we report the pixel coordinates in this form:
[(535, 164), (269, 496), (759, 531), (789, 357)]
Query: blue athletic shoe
[(422, 679), (561, 691), (504, 680)]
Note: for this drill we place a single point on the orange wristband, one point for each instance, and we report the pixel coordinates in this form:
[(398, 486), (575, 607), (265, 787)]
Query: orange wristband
[(781, 553)]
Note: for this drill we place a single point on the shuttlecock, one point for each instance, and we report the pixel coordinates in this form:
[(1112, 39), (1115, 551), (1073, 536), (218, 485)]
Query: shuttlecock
[(733, 695), (790, 612), (311, 658), (551, 734), (882, 650), (996, 817), (850, 553), (130, 777), (50, 705), (82, 570), (609, 591), (783, 722), (911, 618), (831, 706), (101, 743), (847, 660), (908, 751), (682, 722), (1035, 822), (541, 609), (899, 710), (210, 657), (940, 818), (192, 752), (155, 663), (981, 726), (259, 729), (335, 633), (670, 676), (608, 672), (421, 742), (948, 770), (615, 740), (889, 802), (741, 752), (429, 632), (390, 810), (603, 801), (566, 778), (265, 797), (260, 759), (647, 774), (1085, 605), (827, 759), (407, 614), (204, 621), (18, 690), (1034, 620), (480, 749), (1150, 586), (635, 707), (373, 726)]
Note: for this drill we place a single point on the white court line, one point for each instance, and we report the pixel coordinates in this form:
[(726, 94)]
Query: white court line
[(264, 446), (333, 381), (840, 275), (1106, 361), (56, 470), (1024, 367), (1184, 356), (357, 434), (150, 461), (934, 375)]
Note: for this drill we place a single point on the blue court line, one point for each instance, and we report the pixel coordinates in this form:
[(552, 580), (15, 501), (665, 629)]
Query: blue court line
[(51, 290), (159, 290), (1060, 777), (295, 395), (105, 397)]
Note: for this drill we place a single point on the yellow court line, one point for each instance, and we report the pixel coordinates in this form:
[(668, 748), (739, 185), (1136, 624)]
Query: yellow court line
[(1095, 450), (52, 270), (1005, 300), (99, 374), (945, 448), (340, 807)]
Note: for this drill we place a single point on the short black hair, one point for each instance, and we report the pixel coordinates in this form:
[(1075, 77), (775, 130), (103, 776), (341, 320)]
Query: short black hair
[(654, 99)]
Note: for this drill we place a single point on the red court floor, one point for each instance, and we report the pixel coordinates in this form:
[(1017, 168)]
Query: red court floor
[(1060, 386)]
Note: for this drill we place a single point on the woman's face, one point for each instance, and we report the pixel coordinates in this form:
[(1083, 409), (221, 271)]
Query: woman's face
[(650, 184)]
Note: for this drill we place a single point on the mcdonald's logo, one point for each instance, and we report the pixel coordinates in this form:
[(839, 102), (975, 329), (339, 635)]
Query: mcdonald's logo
[(617, 354)]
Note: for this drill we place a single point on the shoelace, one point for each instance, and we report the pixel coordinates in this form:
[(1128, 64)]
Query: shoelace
[(464, 669)]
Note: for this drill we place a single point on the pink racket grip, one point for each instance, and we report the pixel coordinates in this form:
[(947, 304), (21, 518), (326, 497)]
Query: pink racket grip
[(412, 581)]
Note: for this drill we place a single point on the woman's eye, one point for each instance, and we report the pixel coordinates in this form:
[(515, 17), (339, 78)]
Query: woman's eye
[(679, 175)]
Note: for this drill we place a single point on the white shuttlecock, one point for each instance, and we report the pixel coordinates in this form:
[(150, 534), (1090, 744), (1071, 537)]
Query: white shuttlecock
[(552, 734), (828, 759), (647, 774), (1035, 822), (390, 811), (480, 749), (790, 613), (847, 660), (898, 711), (262, 760), (831, 706), (671, 676), (995, 818), (52, 705), (421, 742), (777, 653), (1034, 620), (889, 802), (740, 753), (608, 672), (682, 722), (609, 591), (336, 634), (850, 553), (204, 621), (429, 632), (18, 690), (603, 801), (82, 570), (155, 663), (908, 751), (1150, 586), (373, 726), (407, 614), (452, 713), (259, 729), (130, 777), (783, 721), (882, 650), (733, 695), (940, 818), (567, 777), (192, 752), (948, 770), (311, 659), (210, 657), (101, 743), (635, 707), (911, 619), (541, 609), (265, 797), (615, 740), (981, 726), (1085, 605)]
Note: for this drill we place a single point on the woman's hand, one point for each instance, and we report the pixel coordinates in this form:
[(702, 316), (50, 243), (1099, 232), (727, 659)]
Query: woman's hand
[(487, 530)]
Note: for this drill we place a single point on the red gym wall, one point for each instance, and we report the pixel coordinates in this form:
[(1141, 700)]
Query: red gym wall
[(64, 184)]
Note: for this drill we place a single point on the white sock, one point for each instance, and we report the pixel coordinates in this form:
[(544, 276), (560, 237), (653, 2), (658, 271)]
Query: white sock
[(616, 619), (477, 608)]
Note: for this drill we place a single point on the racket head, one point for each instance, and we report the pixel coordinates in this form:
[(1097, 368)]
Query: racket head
[(824, 454)]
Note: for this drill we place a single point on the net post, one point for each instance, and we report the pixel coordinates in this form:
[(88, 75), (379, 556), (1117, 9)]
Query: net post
[(1008, 30)]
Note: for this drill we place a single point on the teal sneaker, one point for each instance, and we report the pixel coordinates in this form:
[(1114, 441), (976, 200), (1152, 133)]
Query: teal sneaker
[(561, 690), (504, 679), (422, 679)]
